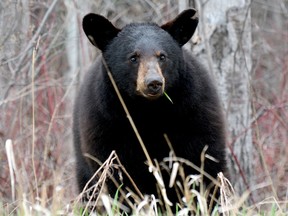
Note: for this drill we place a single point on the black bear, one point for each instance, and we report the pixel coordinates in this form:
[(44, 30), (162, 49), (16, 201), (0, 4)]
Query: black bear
[(148, 64)]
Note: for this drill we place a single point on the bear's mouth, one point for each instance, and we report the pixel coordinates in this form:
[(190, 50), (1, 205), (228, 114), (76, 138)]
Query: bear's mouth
[(151, 95)]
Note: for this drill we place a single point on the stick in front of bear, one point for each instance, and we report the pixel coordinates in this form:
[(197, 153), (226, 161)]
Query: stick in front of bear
[(151, 167), (147, 61)]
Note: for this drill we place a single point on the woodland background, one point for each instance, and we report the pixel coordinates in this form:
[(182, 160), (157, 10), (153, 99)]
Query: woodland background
[(44, 55)]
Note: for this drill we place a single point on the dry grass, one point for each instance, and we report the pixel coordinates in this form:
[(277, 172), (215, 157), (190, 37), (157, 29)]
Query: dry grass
[(37, 89)]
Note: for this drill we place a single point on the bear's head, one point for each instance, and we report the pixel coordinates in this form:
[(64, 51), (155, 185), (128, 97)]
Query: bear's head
[(144, 58)]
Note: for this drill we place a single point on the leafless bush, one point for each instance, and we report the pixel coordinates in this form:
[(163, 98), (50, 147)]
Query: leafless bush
[(43, 56)]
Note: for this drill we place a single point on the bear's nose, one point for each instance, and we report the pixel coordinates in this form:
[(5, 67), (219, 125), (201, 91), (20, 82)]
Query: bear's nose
[(154, 86)]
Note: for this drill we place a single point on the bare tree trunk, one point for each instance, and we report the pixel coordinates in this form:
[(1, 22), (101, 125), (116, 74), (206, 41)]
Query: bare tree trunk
[(72, 44), (76, 45), (225, 30)]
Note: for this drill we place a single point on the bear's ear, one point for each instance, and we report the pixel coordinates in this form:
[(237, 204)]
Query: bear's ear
[(183, 26), (99, 30)]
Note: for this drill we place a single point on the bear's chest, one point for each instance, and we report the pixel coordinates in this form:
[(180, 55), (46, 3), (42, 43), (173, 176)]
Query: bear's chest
[(151, 125)]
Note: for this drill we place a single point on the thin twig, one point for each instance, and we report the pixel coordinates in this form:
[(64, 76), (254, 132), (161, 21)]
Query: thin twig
[(33, 114), (150, 163)]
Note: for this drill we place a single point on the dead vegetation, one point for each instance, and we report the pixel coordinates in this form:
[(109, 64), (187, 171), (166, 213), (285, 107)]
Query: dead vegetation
[(38, 78)]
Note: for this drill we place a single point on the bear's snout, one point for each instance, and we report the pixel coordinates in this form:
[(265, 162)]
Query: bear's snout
[(150, 80)]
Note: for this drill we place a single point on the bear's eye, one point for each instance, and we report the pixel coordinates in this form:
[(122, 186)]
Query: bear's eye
[(134, 59), (162, 57)]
